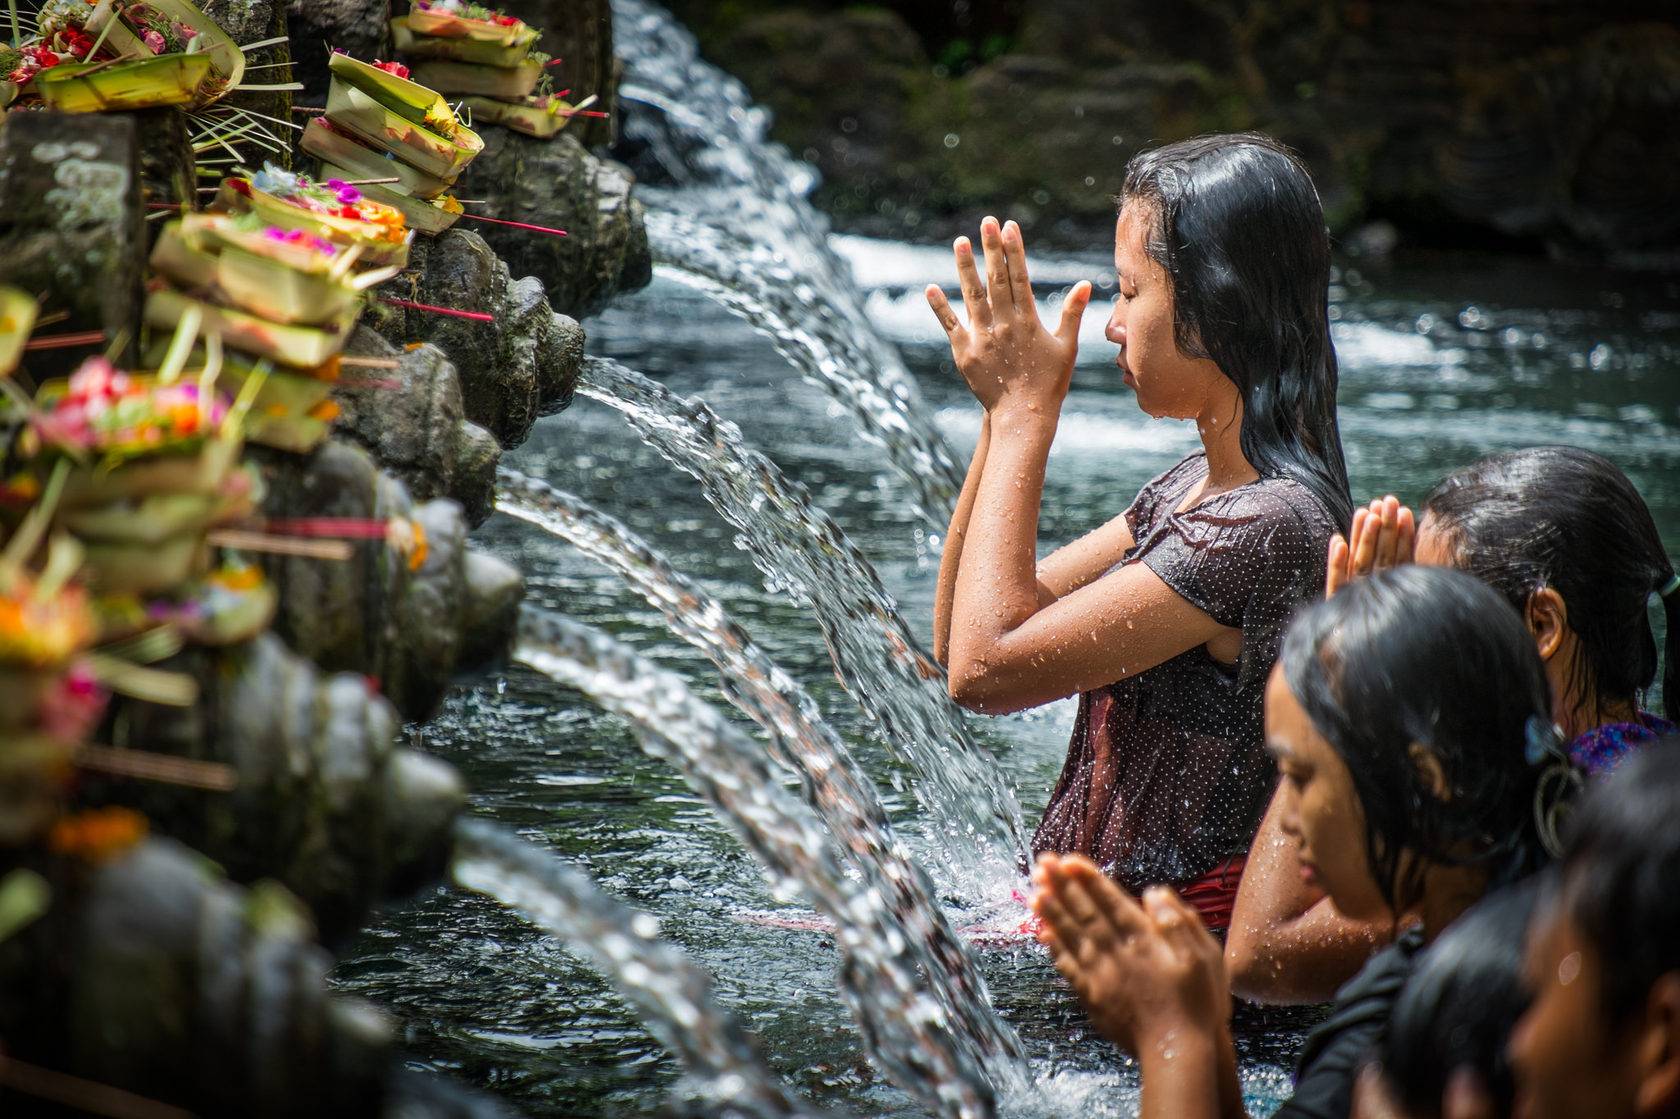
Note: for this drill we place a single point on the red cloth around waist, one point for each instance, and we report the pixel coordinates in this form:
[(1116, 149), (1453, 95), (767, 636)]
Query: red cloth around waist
[(1215, 893)]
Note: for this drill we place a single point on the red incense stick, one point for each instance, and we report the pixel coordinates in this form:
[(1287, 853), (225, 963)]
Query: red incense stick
[(475, 316)]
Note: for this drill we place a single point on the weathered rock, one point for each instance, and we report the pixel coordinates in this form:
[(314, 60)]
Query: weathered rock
[(318, 27), (325, 802), (557, 184), (166, 161), (153, 974), (71, 221), (511, 369), (412, 421), (255, 21), (401, 619)]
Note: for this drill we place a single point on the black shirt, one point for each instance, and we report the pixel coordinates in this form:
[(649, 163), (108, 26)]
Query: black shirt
[(1338, 1047)]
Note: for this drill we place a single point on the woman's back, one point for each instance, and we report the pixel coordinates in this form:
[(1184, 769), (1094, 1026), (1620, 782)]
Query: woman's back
[(1165, 776)]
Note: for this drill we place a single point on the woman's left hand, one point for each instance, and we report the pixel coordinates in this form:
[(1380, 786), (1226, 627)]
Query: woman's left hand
[(1005, 354), (1145, 973)]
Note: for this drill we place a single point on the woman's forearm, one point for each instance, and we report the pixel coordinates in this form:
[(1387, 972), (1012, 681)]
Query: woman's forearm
[(1183, 1078), (951, 558), (997, 585)]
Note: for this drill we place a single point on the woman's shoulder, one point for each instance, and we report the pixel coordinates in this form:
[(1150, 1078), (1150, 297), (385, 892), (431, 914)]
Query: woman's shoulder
[(1274, 500)]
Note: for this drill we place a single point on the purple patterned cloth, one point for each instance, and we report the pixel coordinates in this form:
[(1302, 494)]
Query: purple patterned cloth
[(1601, 749)]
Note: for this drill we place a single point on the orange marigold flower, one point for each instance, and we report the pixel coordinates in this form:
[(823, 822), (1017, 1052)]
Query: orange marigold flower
[(98, 834)]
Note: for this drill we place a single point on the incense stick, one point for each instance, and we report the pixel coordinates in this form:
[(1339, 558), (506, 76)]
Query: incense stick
[(475, 316), (149, 766), (337, 551)]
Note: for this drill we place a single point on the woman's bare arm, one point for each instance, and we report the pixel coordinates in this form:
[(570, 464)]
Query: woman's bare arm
[(951, 557), (1006, 651), (1287, 943)]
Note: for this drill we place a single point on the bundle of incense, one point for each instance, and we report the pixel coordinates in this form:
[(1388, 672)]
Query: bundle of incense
[(486, 56), (148, 465), (117, 55)]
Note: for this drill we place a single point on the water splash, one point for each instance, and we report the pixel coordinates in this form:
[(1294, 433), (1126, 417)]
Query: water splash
[(669, 992), (802, 741), (732, 219), (912, 1024), (821, 339), (802, 552)]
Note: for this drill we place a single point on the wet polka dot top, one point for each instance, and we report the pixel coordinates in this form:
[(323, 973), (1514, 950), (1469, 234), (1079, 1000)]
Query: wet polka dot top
[(1166, 775)]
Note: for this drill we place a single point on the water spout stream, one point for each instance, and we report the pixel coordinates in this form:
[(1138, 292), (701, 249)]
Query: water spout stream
[(913, 1024), (804, 743), (802, 552), (732, 219), (669, 992)]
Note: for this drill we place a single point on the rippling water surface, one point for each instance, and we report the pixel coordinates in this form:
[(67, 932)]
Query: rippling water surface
[(1442, 360)]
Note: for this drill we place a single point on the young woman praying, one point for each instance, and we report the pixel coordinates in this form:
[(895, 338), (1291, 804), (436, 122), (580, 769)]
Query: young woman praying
[(1166, 620), (1565, 537), (1410, 718)]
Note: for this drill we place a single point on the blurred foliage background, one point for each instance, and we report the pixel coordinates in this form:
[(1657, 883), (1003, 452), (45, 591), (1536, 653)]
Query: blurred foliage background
[(1526, 123)]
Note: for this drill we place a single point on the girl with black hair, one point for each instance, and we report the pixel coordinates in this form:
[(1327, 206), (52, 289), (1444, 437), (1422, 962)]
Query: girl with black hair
[(1563, 535), (1601, 1036), (1401, 714), (1166, 620)]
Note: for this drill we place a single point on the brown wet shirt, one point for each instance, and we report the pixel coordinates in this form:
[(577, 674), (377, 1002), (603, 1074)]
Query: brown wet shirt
[(1166, 775)]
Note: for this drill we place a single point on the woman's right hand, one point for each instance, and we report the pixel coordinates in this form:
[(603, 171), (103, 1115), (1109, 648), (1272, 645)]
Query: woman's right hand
[(1004, 352), (1383, 535)]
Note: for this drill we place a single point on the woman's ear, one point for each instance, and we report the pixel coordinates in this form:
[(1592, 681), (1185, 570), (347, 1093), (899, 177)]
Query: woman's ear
[(1659, 1050), (1548, 620), (1429, 771)]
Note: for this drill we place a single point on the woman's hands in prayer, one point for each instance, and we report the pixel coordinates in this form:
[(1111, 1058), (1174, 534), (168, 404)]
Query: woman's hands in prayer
[(1004, 353), (1148, 974), (1383, 535)]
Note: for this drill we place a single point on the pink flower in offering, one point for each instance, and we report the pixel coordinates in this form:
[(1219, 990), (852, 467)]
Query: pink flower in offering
[(154, 41)]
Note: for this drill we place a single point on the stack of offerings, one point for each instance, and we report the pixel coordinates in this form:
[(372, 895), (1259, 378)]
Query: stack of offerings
[(400, 140), (277, 273), (486, 57), (139, 469)]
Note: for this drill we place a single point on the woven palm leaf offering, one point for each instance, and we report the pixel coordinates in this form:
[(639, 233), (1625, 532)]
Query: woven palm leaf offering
[(49, 699), (541, 115), (381, 108), (338, 212), (129, 55), (451, 31), (17, 319), (153, 465), (287, 276)]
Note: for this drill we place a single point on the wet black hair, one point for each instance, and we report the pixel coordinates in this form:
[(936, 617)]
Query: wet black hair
[(1239, 229), (1460, 1005), (1433, 657), (1568, 519), (1621, 875)]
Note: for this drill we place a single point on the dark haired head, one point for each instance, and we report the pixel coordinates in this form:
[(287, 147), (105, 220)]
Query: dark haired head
[(1432, 658), (1238, 228), (1621, 875), (1568, 519), (1459, 1006)]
